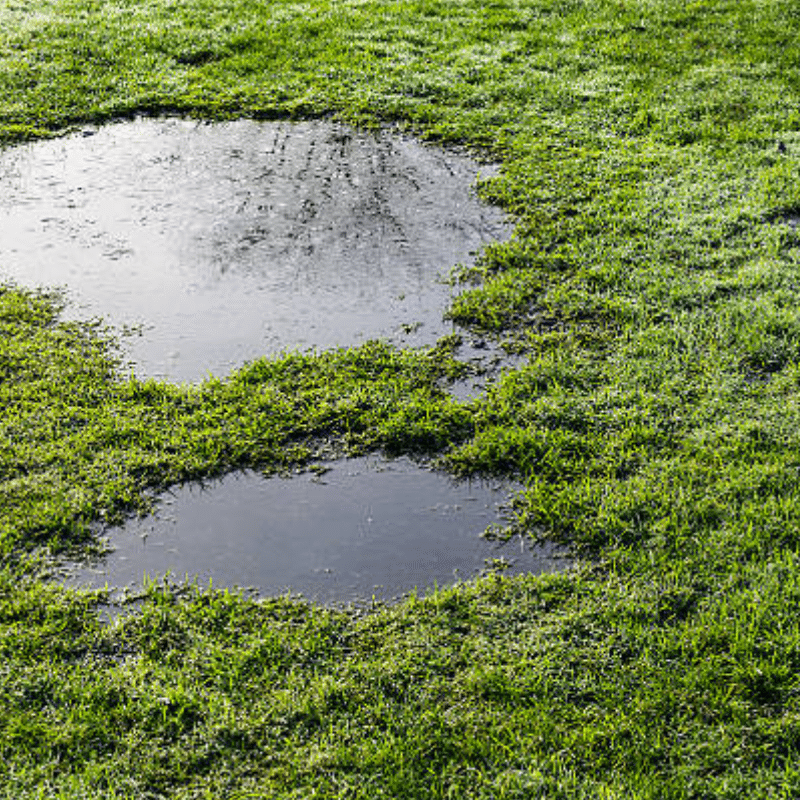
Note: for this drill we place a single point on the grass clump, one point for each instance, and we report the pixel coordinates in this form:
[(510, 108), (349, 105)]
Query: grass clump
[(650, 157)]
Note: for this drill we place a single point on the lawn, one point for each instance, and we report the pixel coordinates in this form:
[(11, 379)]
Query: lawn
[(650, 155)]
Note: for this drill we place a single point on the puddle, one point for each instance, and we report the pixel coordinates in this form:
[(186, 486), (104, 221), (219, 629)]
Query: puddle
[(367, 528), (229, 241)]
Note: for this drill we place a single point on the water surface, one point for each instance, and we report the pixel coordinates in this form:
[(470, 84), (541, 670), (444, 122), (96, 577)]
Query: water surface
[(223, 242), (366, 528)]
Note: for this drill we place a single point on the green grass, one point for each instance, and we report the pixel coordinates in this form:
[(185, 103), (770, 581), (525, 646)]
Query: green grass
[(651, 161)]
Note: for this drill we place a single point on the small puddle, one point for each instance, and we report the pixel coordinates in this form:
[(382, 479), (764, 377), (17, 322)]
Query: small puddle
[(224, 242), (366, 528)]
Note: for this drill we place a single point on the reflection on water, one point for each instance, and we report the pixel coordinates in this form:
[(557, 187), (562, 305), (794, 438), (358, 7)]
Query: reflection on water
[(229, 241), (365, 528)]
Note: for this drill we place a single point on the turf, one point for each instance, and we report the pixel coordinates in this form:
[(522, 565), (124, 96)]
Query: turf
[(650, 156)]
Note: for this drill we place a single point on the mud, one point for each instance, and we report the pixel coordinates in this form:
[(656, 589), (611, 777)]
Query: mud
[(220, 243), (367, 528)]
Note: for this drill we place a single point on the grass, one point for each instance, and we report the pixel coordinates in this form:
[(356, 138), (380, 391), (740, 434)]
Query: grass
[(651, 162)]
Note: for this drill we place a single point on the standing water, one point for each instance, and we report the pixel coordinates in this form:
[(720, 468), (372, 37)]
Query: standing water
[(225, 242), (221, 243), (366, 528)]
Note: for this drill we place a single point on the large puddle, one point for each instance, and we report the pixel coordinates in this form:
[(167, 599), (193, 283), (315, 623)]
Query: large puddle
[(366, 528), (228, 241)]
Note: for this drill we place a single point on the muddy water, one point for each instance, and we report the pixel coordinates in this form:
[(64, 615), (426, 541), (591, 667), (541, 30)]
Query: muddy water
[(367, 528), (224, 242)]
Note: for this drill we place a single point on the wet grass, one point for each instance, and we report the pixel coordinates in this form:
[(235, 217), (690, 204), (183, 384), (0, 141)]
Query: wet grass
[(651, 154)]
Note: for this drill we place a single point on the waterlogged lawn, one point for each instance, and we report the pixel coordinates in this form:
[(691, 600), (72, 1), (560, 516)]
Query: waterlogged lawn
[(651, 162)]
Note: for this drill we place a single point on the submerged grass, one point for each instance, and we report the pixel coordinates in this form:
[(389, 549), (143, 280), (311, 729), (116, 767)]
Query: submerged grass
[(651, 161)]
